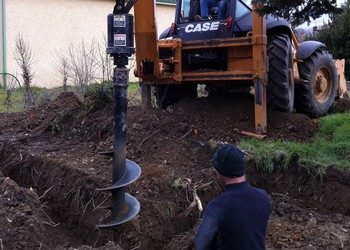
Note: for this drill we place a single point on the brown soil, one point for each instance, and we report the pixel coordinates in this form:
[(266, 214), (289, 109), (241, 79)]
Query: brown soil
[(341, 106), (20, 213), (51, 152)]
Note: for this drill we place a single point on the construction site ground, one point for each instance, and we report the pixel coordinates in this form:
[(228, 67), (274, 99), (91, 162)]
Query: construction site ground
[(50, 170)]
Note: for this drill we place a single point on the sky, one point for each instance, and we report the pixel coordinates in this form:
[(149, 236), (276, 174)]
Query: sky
[(321, 20)]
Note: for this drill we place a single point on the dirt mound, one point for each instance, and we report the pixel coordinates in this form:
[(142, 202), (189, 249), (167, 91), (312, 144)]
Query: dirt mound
[(22, 222), (51, 116), (291, 127), (223, 118), (220, 116), (341, 106), (57, 115), (292, 226)]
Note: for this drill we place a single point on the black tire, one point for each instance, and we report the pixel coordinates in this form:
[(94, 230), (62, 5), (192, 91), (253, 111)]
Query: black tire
[(280, 89), (169, 94), (311, 98)]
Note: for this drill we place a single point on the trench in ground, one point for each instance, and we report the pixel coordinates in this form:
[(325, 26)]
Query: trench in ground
[(73, 199), (74, 202)]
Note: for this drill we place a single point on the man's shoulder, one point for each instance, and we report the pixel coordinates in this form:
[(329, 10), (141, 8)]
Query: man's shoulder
[(220, 200), (216, 204), (248, 190), (259, 190)]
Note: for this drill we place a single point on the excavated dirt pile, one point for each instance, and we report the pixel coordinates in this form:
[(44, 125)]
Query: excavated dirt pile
[(20, 213), (51, 170)]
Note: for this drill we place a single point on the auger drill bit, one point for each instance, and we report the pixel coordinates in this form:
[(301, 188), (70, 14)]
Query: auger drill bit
[(120, 46)]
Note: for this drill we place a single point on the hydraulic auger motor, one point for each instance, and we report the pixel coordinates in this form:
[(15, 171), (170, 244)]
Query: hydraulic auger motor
[(121, 46)]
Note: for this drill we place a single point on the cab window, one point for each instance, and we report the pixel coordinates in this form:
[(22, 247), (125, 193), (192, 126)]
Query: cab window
[(248, 3), (241, 9), (185, 10)]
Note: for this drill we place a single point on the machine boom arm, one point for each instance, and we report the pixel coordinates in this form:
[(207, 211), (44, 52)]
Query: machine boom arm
[(146, 37)]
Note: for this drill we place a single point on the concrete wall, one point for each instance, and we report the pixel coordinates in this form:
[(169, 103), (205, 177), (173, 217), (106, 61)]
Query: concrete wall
[(52, 25)]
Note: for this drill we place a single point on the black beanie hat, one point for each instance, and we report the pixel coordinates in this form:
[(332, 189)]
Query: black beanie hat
[(229, 161)]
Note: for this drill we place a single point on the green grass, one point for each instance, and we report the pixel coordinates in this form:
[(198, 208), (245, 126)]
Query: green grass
[(17, 97), (331, 147), (16, 100), (133, 87)]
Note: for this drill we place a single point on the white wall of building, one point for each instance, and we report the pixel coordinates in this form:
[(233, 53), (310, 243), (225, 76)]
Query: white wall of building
[(53, 25), (1, 45)]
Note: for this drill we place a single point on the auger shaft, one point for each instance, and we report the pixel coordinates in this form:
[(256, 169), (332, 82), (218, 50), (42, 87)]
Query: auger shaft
[(120, 46), (120, 85)]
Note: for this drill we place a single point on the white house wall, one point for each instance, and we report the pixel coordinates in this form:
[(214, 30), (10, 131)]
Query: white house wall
[(1, 46), (53, 25)]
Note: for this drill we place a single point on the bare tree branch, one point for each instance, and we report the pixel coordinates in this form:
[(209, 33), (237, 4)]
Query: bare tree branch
[(25, 60), (82, 63), (61, 65), (104, 62)]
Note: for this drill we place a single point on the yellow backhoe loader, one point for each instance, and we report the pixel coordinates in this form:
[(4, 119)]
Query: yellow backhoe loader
[(244, 49), (241, 49)]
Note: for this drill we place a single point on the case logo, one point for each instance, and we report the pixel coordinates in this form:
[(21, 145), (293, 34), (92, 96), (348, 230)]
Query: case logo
[(202, 27)]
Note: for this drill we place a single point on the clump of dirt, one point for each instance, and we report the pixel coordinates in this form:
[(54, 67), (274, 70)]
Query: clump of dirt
[(23, 223), (109, 246), (293, 226), (57, 115), (53, 116), (342, 105), (291, 127)]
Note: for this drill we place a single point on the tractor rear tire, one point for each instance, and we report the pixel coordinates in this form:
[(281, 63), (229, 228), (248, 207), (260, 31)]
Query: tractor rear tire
[(169, 94), (280, 88), (318, 86)]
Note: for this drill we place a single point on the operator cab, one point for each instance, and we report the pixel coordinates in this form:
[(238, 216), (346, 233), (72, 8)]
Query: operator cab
[(189, 28)]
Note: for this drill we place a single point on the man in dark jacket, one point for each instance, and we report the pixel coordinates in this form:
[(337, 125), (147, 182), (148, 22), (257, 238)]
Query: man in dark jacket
[(238, 218)]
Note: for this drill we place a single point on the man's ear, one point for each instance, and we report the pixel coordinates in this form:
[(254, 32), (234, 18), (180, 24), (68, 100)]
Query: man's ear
[(220, 177)]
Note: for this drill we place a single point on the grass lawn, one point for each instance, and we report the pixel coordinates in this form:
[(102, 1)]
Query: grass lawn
[(331, 147), (133, 87), (17, 99), (18, 94)]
